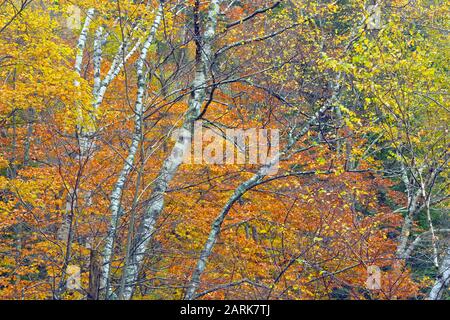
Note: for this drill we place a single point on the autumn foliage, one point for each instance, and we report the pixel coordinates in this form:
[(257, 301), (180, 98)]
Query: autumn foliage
[(364, 182)]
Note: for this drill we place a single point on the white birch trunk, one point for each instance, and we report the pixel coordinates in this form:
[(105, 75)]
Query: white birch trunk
[(114, 70), (82, 42), (247, 185), (173, 161), (413, 199), (67, 222), (402, 248), (116, 194), (443, 278), (427, 199), (100, 86), (97, 60), (78, 63), (86, 132)]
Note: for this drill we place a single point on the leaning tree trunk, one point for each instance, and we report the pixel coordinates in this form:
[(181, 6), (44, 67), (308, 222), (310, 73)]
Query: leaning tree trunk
[(249, 184), (173, 161), (257, 178), (116, 194), (443, 278)]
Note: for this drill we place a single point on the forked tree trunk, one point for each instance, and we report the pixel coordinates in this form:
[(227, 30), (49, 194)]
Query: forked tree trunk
[(116, 194), (172, 162)]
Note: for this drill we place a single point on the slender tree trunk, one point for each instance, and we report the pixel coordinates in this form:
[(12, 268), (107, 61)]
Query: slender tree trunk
[(247, 185), (131, 226), (114, 70), (66, 228), (427, 199), (413, 199), (443, 278), (94, 276), (78, 63), (116, 194), (173, 161), (82, 42)]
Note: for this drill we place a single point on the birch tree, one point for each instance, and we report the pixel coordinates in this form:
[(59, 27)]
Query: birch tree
[(128, 165), (97, 203), (173, 161), (443, 278), (296, 133)]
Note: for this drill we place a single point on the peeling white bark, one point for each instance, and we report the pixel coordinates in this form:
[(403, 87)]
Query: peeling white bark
[(100, 86), (443, 278), (64, 233), (78, 62), (114, 70), (116, 194), (173, 161), (85, 133), (427, 199), (97, 60), (82, 42), (413, 205)]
